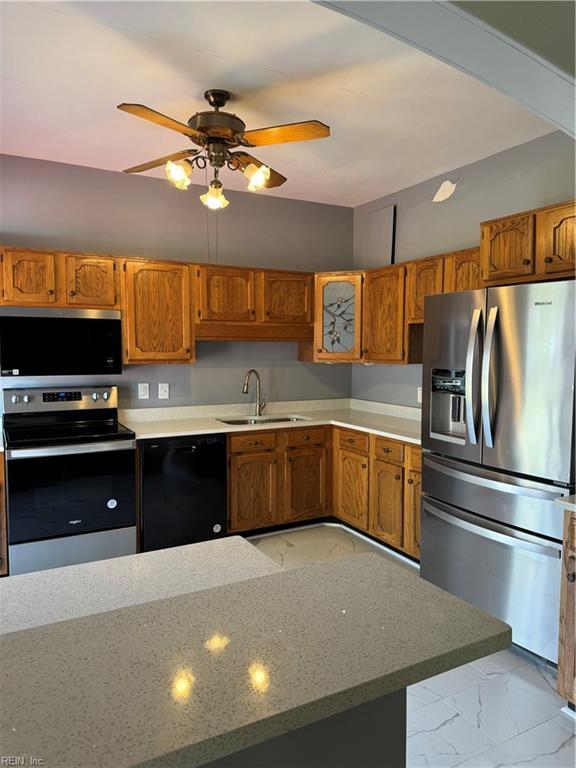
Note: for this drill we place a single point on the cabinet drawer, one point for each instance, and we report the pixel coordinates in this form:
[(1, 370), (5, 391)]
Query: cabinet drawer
[(389, 450), (414, 457), (297, 437), (252, 441), (354, 441)]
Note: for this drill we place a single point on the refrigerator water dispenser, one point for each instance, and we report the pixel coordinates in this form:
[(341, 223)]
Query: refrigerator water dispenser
[(447, 405)]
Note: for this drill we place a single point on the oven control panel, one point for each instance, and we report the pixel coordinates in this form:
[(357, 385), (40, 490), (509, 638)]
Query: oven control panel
[(41, 400)]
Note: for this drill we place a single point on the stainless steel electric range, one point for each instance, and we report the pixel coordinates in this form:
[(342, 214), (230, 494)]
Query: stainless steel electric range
[(71, 477)]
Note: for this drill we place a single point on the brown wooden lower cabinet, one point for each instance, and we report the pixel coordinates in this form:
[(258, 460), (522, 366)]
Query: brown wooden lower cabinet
[(305, 483), (567, 635), (254, 494), (276, 476), (412, 490), (3, 526), (386, 512), (351, 488), (288, 475)]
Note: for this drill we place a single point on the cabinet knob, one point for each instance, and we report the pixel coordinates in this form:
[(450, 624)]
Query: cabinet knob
[(350, 439), (365, 351), (307, 437), (409, 481), (364, 466), (72, 293), (396, 477), (571, 577), (548, 259), (526, 261), (50, 292), (319, 351), (386, 450)]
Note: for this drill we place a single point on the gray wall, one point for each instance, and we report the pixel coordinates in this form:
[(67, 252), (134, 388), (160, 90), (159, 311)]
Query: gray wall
[(537, 173), (53, 205)]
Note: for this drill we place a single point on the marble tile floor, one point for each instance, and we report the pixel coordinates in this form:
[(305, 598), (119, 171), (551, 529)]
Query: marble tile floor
[(498, 712)]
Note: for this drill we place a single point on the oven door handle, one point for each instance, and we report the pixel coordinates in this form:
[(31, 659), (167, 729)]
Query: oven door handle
[(491, 530), (70, 450)]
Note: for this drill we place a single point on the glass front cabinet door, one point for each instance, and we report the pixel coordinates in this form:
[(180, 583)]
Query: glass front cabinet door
[(337, 330)]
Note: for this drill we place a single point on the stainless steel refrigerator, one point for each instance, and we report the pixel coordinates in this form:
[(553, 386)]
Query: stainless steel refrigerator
[(498, 434)]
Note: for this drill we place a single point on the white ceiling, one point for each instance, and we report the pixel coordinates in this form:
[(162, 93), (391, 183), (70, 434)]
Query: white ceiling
[(397, 115)]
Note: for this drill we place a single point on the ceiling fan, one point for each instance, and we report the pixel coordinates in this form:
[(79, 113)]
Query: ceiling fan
[(218, 134)]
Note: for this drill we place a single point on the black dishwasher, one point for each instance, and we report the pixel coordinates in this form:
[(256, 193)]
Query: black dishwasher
[(183, 491)]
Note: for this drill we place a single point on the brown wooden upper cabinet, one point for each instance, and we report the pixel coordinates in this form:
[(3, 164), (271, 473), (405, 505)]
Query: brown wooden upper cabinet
[(91, 280), (556, 240), (157, 316), (423, 278), (383, 315), (284, 297), (507, 247), (462, 270), (337, 319), (225, 294), (29, 277)]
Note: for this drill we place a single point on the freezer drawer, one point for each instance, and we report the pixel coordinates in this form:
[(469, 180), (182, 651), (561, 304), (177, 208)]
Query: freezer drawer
[(511, 575), (514, 501)]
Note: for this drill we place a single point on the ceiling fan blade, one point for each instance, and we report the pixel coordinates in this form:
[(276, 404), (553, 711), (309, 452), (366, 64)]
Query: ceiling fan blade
[(139, 110), (282, 134), (182, 155), (275, 180)]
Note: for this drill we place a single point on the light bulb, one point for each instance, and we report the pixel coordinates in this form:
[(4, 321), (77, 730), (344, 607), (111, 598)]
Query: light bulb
[(258, 175), (214, 198), (179, 173)]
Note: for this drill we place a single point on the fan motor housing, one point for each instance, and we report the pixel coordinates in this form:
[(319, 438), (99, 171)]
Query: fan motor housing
[(223, 125)]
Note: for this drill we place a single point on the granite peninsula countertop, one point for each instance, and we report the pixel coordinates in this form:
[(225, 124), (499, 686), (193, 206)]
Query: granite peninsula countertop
[(190, 678), (44, 597), (384, 425)]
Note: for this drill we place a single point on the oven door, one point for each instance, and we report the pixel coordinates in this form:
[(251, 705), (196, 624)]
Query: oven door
[(70, 490)]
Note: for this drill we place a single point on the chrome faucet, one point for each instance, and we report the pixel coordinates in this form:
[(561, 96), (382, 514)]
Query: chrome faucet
[(260, 403)]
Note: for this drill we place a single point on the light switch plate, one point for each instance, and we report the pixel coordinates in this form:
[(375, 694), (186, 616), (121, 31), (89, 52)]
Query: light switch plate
[(163, 391), (419, 395), (143, 391)]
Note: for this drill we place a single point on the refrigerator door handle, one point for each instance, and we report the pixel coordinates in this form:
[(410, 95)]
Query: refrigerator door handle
[(471, 406), (487, 408), (493, 531), (477, 478)]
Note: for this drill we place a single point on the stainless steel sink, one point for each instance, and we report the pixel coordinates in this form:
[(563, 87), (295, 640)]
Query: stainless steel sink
[(254, 420)]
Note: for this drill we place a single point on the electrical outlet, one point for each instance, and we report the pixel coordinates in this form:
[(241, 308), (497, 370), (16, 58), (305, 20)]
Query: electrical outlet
[(419, 395), (143, 391), (163, 391)]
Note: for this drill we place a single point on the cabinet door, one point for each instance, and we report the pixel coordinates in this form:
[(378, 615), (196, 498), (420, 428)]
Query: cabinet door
[(383, 305), (29, 277), (386, 502), (305, 487), (90, 280), (226, 294), (507, 248), (338, 313), (351, 488), (157, 319), (286, 297), (412, 491), (253, 491), (423, 278), (462, 270), (556, 240), (567, 630)]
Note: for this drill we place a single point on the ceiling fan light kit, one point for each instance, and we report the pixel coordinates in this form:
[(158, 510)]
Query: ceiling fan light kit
[(218, 134)]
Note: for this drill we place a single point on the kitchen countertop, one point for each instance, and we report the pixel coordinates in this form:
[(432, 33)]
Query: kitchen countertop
[(205, 674), (44, 597), (407, 430)]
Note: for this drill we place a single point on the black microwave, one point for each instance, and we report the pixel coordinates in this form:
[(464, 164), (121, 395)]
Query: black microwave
[(59, 342)]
